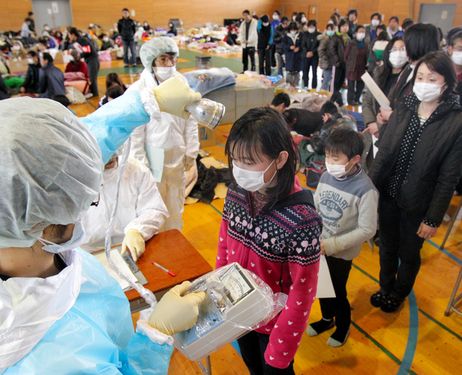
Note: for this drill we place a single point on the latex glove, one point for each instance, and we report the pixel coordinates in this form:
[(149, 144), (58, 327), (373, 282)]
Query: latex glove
[(134, 243), (175, 313), (174, 95), (189, 163)]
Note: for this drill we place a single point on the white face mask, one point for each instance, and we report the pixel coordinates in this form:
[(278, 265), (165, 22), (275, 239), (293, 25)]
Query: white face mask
[(266, 24), (76, 240), (398, 59), (164, 73), (360, 36), (275, 17), (456, 57), (30, 61), (304, 20), (375, 23), (427, 92), (251, 180), (311, 30), (336, 170), (293, 32)]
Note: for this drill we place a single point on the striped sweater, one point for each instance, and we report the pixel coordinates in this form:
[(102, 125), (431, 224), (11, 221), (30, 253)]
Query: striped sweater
[(281, 246)]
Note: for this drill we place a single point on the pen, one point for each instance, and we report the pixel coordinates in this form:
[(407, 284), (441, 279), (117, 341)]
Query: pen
[(164, 269)]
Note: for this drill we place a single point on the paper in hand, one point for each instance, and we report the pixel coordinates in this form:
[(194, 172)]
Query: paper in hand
[(325, 286), (375, 90)]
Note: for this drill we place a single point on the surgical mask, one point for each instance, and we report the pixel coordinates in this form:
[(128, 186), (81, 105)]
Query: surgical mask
[(375, 23), (164, 73), (304, 20), (330, 32), (456, 57), (360, 36), (251, 180), (77, 237), (30, 61), (106, 39), (427, 92), (266, 24), (336, 170), (311, 30), (293, 32), (398, 59), (275, 17)]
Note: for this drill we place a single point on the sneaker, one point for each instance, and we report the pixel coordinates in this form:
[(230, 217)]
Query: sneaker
[(319, 327), (338, 339), (378, 299), (391, 304)]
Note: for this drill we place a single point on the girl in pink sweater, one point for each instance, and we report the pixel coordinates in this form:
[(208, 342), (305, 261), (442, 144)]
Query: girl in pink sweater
[(271, 228)]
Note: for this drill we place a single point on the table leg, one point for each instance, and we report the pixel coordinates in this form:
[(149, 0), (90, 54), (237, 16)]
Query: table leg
[(454, 298)]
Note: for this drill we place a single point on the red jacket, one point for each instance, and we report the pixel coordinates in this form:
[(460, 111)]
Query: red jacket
[(79, 66), (281, 246)]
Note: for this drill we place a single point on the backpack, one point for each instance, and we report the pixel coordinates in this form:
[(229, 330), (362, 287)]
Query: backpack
[(314, 170)]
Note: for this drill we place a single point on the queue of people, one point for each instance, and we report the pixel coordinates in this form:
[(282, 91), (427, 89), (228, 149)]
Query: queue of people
[(60, 188)]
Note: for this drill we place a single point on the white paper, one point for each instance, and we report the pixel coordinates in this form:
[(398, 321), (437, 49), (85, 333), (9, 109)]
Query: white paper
[(375, 91), (156, 161), (325, 286), (375, 149), (120, 264), (54, 7)]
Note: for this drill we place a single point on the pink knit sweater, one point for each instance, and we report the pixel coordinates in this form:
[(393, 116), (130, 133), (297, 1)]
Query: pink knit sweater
[(281, 246)]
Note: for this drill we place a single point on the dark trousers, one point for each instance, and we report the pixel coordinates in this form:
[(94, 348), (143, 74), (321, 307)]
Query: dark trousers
[(338, 307), (248, 52), (399, 248), (355, 89), (339, 80), (129, 45), (253, 346), (310, 63), (264, 61), (93, 69)]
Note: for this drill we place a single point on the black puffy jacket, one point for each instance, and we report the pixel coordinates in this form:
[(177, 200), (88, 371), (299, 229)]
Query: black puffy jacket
[(126, 28), (436, 166)]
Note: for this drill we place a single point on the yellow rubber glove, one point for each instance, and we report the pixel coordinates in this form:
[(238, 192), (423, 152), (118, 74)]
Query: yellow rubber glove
[(133, 242), (175, 313), (174, 94)]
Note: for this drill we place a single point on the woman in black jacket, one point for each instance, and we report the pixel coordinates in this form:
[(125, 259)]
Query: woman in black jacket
[(416, 170), (310, 44)]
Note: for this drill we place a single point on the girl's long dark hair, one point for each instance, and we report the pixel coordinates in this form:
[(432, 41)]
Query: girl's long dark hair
[(264, 131)]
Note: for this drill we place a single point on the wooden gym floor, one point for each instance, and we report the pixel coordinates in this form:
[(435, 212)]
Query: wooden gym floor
[(419, 339)]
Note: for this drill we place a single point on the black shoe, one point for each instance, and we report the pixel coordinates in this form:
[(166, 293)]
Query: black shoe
[(391, 304), (126, 66), (319, 327), (378, 299)]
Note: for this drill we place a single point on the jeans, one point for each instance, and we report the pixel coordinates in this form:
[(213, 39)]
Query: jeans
[(338, 307), (93, 69), (293, 78), (355, 90), (312, 63), (280, 62), (248, 52), (129, 45), (264, 61), (253, 346), (326, 79), (399, 248)]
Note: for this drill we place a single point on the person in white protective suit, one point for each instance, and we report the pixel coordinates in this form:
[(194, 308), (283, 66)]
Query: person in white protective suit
[(168, 146), (140, 211), (60, 311)]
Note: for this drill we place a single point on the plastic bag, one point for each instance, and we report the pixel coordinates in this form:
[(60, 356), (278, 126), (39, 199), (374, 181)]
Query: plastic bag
[(238, 302)]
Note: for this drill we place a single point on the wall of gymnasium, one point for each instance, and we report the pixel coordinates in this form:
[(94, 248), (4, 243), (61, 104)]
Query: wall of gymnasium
[(321, 9), (156, 12)]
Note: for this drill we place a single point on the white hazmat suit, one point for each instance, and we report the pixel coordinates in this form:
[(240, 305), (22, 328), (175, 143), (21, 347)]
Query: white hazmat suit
[(140, 206), (167, 146)]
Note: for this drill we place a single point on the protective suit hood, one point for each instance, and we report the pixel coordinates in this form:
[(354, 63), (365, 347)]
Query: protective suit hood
[(156, 47), (50, 171)]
